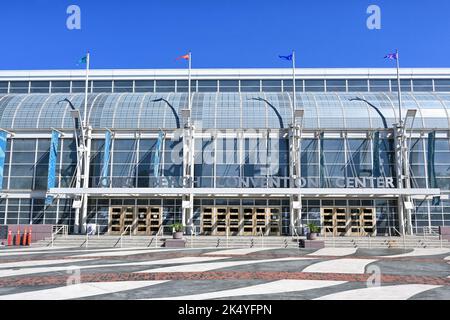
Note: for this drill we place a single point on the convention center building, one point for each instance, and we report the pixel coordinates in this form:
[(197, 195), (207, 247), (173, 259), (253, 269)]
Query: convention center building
[(233, 152)]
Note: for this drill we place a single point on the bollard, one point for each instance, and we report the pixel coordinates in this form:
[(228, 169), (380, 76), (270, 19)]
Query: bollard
[(18, 236)]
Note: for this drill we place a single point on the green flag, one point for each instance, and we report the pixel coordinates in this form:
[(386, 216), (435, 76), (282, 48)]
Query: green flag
[(83, 60)]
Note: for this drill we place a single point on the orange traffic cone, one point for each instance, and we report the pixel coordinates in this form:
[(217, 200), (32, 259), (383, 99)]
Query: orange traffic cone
[(24, 238), (29, 236), (10, 238), (18, 236)]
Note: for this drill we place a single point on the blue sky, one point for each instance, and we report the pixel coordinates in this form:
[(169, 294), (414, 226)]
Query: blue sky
[(223, 34)]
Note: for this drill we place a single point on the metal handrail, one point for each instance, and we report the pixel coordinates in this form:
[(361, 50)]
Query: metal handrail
[(87, 236), (227, 236), (161, 228), (56, 230), (261, 234), (326, 229), (193, 234), (432, 231), (124, 232)]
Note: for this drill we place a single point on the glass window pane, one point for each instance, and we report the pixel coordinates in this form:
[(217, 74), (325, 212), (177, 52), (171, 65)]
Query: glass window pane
[(357, 85), (442, 85), (182, 86), (207, 86), (3, 86), (18, 87), (404, 83), (421, 85), (40, 87), (271, 85), (314, 86), (79, 86), (336, 85), (287, 85), (60, 86), (102, 86), (123, 86), (165, 85), (250, 86), (229, 85), (379, 85), (144, 86)]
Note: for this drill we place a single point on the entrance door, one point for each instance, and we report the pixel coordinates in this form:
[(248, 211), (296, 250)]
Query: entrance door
[(207, 221), (348, 222), (368, 223), (335, 221), (154, 220), (341, 222), (234, 221), (121, 219), (274, 217), (248, 221), (261, 221), (115, 220), (142, 225), (221, 221)]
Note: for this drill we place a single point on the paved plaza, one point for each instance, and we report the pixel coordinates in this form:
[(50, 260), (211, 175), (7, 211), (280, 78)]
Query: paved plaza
[(231, 274)]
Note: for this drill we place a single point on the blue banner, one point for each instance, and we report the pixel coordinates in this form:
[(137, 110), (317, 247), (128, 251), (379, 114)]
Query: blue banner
[(104, 179), (3, 136), (157, 159), (322, 170), (431, 155), (51, 179), (376, 155)]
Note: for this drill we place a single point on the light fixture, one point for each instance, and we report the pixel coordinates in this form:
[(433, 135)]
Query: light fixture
[(299, 113), (411, 113)]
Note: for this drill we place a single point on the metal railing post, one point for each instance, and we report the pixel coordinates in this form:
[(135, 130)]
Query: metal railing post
[(227, 235)]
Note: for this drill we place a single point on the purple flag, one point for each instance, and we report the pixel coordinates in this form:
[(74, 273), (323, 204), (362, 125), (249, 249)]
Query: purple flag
[(392, 56)]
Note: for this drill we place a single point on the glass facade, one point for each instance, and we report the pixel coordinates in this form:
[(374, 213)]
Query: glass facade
[(236, 85), (242, 140)]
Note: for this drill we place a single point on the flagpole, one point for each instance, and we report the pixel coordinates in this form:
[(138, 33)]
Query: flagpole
[(189, 80), (88, 60), (399, 89), (294, 87)]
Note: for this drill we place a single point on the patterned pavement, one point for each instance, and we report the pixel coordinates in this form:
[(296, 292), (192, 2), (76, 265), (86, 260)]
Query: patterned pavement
[(231, 274)]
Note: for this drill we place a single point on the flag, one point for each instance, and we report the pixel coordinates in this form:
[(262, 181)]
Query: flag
[(392, 56), (288, 58), (185, 57), (83, 60)]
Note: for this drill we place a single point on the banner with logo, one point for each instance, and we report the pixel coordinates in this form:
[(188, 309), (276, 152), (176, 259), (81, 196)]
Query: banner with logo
[(3, 136), (104, 179), (51, 178), (376, 154), (157, 159)]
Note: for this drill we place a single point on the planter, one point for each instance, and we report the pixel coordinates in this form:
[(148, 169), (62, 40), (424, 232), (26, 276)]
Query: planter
[(311, 236), (178, 235)]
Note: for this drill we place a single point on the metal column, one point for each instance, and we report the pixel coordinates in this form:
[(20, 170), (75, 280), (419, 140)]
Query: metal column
[(294, 169), (188, 173)]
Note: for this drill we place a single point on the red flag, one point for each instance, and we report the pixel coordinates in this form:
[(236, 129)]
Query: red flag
[(185, 57)]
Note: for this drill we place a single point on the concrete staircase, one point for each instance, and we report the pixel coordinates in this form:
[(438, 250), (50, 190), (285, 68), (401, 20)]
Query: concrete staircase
[(409, 242), (109, 241)]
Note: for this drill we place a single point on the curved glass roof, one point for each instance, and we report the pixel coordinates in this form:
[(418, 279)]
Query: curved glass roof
[(222, 110)]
